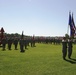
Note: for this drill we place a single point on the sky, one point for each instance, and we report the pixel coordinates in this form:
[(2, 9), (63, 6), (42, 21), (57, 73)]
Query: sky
[(36, 17)]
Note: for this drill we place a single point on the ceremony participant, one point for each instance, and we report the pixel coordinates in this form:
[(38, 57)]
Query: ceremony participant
[(33, 41), (4, 42), (25, 43), (70, 46), (15, 42), (22, 45), (9, 43), (21, 42), (64, 48)]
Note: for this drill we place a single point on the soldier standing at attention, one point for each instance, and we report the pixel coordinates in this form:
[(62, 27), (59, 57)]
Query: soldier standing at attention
[(15, 42), (70, 46), (21, 42), (9, 43), (64, 48), (25, 43), (4, 41)]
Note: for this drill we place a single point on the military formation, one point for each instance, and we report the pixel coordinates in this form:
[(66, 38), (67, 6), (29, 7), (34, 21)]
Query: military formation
[(22, 42), (67, 44), (67, 47)]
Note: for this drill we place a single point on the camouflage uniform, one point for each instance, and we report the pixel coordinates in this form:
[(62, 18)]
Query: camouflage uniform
[(4, 41), (15, 43), (21, 42), (70, 48), (64, 48), (9, 43)]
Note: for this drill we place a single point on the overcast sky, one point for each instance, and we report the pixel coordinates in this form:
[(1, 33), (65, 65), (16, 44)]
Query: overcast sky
[(36, 17)]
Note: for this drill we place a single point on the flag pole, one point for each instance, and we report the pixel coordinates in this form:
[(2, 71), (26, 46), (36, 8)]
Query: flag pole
[(68, 23), (68, 30)]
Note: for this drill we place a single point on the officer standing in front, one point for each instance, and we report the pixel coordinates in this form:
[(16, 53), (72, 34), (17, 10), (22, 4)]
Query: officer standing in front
[(64, 47), (21, 42), (21, 45), (70, 46)]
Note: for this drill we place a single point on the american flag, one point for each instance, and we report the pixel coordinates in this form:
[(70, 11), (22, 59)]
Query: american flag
[(72, 25)]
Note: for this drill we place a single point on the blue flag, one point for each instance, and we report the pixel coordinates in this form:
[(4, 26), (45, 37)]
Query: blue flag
[(72, 25), (70, 19)]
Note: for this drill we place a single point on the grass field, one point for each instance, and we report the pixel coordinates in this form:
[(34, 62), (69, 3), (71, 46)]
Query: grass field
[(44, 59)]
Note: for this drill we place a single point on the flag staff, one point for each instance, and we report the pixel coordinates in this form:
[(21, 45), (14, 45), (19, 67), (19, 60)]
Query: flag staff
[(69, 22), (68, 30)]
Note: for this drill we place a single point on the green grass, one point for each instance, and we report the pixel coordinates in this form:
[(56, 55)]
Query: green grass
[(44, 59)]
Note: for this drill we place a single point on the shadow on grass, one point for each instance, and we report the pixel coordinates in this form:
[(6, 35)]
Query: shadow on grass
[(71, 60)]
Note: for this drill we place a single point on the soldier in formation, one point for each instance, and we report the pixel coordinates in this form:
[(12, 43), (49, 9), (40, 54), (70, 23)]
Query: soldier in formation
[(15, 41), (4, 42), (9, 42)]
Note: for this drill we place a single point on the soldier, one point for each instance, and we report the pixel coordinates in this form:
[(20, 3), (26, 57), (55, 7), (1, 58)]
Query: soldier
[(70, 46), (25, 43), (9, 43), (15, 43), (21, 42), (64, 48), (4, 41), (31, 41)]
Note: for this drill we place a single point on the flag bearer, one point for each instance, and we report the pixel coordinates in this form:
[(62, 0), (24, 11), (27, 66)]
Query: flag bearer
[(70, 46)]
